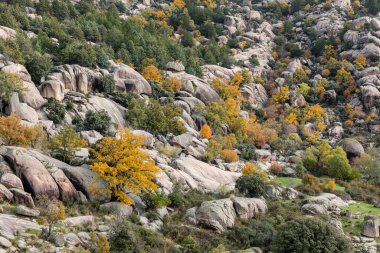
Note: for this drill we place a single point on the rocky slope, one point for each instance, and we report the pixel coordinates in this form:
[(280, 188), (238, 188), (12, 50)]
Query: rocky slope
[(276, 52)]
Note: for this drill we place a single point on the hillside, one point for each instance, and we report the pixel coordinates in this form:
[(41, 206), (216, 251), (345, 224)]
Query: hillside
[(190, 126)]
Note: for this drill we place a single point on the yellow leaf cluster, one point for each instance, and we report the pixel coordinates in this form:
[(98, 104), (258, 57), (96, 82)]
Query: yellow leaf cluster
[(237, 79), (206, 131), (209, 3), (249, 168), (224, 90), (329, 52), (123, 164), (172, 84), (343, 76), (229, 155), (292, 119), (13, 132), (361, 60), (180, 4), (151, 72), (281, 96), (314, 112)]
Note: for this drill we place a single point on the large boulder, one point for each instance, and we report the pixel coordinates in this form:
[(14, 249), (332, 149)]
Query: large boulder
[(53, 89), (294, 65), (175, 66), (67, 191), (371, 227), (81, 177), (21, 197), (10, 225), (117, 208), (211, 72), (10, 180), (247, 208), (352, 147), (26, 211), (7, 33), (195, 86), (314, 209), (255, 94), (31, 95), (5, 194), (216, 214), (91, 136), (78, 221), (369, 95), (202, 176), (24, 111), (323, 203), (35, 177), (131, 79), (371, 51)]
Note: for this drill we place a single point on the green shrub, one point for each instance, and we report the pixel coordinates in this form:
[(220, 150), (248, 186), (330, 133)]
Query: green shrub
[(309, 235), (255, 233), (250, 186), (126, 237), (154, 117), (155, 200), (55, 110), (106, 84), (38, 66), (123, 99), (247, 151), (94, 120), (187, 40)]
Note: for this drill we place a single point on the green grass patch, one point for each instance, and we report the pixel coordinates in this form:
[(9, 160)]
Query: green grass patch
[(291, 182), (294, 182), (354, 226)]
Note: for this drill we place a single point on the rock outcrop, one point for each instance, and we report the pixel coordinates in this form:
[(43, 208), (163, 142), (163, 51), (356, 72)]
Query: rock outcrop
[(221, 214)]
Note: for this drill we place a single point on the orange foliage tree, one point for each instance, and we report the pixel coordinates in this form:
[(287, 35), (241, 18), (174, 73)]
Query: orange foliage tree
[(229, 155), (13, 132), (206, 131), (180, 4), (249, 168), (151, 72), (172, 84), (123, 164), (361, 60)]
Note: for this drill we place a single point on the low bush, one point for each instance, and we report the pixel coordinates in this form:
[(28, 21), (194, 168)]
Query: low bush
[(155, 117), (94, 120), (229, 155), (128, 237), (13, 132), (309, 235), (55, 110), (251, 186)]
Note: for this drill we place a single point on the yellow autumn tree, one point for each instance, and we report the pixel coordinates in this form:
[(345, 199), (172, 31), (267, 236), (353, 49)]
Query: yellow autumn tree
[(151, 72), (123, 164), (292, 119), (237, 79), (180, 4), (329, 52), (206, 131), (281, 96), (209, 3), (13, 132), (343, 76), (361, 61), (248, 169), (315, 112)]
